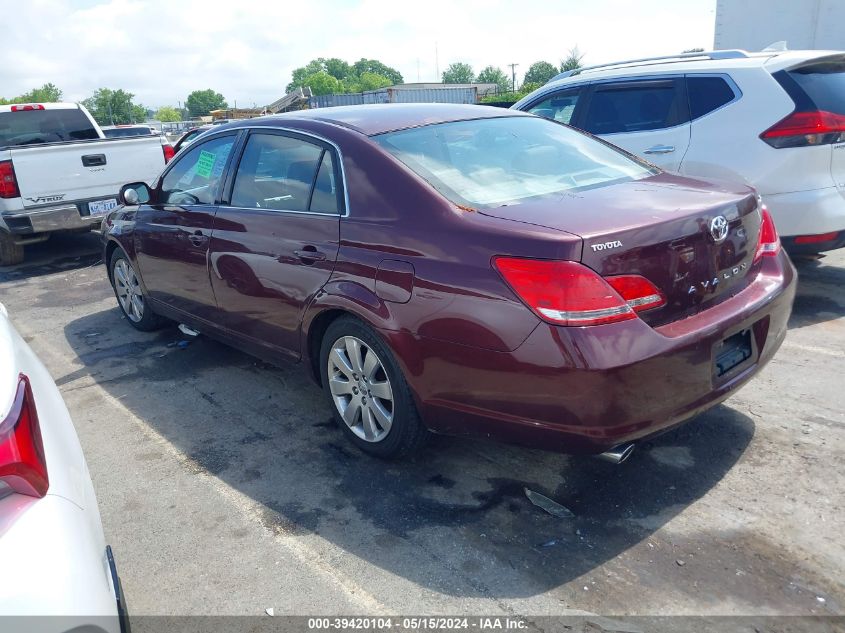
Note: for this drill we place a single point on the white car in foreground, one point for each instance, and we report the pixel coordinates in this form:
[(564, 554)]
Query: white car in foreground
[(54, 560), (774, 119)]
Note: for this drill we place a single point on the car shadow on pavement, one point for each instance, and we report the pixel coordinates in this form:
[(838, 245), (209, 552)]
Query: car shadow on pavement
[(820, 295), (456, 519), (63, 252)]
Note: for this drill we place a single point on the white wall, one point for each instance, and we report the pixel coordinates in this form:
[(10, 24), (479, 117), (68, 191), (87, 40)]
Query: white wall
[(754, 24)]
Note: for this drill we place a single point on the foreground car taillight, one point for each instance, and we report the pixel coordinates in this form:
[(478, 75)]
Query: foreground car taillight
[(169, 152), (22, 464), (569, 293), (804, 129), (769, 244)]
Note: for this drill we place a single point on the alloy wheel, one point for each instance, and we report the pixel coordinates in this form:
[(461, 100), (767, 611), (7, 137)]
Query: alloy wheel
[(360, 388), (128, 290)]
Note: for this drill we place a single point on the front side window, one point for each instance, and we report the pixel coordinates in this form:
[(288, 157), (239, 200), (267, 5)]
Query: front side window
[(558, 107), (195, 178), (504, 161), (285, 174), (632, 107)]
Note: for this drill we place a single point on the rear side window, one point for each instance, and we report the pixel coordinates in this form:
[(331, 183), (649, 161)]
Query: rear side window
[(707, 94), (285, 174), (633, 107), (31, 127), (195, 177), (558, 107), (823, 83)]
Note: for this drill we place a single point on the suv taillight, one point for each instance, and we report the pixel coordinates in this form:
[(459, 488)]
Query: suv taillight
[(569, 293), (169, 153), (805, 129), (769, 244), (8, 181), (22, 464)]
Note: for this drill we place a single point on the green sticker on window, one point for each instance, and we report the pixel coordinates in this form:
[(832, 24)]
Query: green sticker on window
[(205, 164)]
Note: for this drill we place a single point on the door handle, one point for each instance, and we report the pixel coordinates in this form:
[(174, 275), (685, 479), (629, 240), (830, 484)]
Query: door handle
[(93, 160), (310, 254), (197, 238), (660, 149)]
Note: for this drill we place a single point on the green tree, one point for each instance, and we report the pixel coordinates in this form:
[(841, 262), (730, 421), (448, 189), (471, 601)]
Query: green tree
[(351, 77), (540, 73), (375, 67), (573, 61), (201, 102), (114, 107), (322, 83), (458, 73), (48, 93), (167, 114), (493, 75)]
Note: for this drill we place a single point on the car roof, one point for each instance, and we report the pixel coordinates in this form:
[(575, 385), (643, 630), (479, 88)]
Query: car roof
[(715, 61), (384, 117)]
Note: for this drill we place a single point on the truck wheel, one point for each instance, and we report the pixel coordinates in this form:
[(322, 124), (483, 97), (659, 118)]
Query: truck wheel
[(11, 252)]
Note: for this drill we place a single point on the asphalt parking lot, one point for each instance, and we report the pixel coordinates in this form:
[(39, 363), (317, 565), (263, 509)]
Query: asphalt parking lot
[(225, 488)]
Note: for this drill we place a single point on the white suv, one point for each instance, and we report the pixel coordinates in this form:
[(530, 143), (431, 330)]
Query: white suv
[(775, 120)]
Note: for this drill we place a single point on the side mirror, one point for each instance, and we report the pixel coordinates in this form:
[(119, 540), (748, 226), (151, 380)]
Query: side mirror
[(134, 193)]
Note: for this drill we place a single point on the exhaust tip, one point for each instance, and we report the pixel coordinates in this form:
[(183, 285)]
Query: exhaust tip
[(618, 454)]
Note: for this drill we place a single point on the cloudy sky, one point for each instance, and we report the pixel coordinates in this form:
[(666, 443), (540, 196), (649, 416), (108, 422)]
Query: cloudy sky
[(161, 50)]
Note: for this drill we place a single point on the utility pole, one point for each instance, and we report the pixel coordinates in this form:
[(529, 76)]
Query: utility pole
[(513, 76)]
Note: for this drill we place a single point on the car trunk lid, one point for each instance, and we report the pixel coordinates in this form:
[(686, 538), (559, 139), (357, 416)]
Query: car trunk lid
[(693, 240)]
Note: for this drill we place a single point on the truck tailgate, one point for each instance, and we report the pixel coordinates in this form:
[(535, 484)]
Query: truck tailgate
[(67, 172)]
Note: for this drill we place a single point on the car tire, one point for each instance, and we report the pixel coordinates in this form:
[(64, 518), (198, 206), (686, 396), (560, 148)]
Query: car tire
[(130, 299), (367, 389), (11, 253)]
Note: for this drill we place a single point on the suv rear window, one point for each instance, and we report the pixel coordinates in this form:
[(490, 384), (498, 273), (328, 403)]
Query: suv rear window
[(30, 127), (707, 94), (823, 83)]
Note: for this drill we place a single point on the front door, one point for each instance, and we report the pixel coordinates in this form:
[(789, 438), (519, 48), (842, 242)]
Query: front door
[(172, 232), (276, 236), (647, 117)]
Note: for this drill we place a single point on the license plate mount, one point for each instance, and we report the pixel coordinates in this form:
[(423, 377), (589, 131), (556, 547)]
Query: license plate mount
[(732, 353), (101, 207)]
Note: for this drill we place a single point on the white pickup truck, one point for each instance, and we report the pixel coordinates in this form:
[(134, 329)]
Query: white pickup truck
[(59, 173)]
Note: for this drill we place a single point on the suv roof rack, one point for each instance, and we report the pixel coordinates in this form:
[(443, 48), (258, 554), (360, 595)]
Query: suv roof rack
[(645, 61)]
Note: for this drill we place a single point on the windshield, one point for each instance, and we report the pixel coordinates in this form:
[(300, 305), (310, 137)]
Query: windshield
[(494, 162), (29, 127), (824, 83)]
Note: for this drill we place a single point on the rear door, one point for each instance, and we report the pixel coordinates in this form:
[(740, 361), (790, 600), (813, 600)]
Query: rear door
[(172, 232), (276, 236), (647, 117)]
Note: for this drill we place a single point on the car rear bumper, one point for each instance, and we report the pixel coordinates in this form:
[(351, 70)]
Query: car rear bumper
[(585, 390), (63, 218), (812, 244), (807, 212)]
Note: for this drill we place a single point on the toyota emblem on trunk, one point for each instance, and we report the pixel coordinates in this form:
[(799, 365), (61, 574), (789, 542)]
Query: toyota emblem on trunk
[(719, 228)]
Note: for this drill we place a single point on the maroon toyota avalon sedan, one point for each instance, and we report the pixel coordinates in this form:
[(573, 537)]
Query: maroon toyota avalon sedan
[(460, 269)]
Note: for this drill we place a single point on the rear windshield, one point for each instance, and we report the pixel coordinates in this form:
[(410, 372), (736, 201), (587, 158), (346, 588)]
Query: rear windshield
[(30, 127), (824, 84), (127, 131), (488, 163)]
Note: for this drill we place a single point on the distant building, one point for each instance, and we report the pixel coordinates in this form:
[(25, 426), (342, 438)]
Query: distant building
[(803, 24)]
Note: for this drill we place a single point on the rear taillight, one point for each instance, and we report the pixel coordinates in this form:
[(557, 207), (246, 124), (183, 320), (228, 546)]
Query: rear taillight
[(638, 292), (804, 129), (8, 181), (569, 293), (22, 464), (27, 107), (169, 153), (769, 244)]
